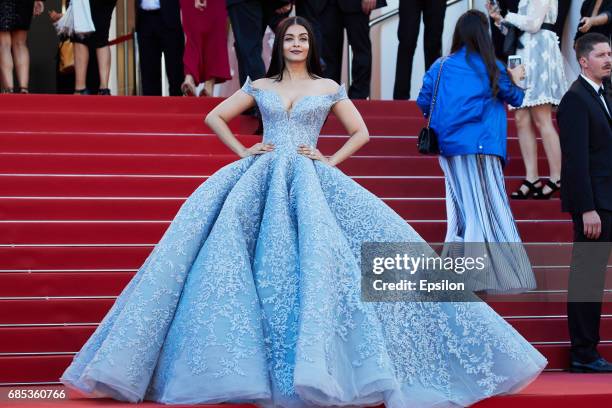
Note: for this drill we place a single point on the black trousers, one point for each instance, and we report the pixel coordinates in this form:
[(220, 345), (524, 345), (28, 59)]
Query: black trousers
[(249, 21), (333, 22), (564, 8), (410, 11), (155, 38), (303, 8), (585, 288)]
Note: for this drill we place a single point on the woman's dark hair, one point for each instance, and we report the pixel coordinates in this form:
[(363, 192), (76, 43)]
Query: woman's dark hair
[(277, 62), (472, 32)]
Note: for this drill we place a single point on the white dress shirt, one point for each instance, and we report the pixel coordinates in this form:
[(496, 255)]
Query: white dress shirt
[(150, 4), (597, 88)]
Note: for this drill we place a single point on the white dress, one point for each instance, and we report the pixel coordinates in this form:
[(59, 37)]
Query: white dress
[(545, 77)]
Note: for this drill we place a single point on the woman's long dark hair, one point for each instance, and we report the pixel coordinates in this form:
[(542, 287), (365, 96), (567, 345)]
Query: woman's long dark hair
[(277, 62), (472, 31)]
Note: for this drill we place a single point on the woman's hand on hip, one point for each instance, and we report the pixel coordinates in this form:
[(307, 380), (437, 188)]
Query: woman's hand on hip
[(312, 153), (257, 148)]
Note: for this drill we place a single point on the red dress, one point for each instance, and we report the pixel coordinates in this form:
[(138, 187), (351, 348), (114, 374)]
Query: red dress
[(205, 41)]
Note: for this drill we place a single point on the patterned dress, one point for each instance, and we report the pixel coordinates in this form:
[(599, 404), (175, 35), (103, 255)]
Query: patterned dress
[(545, 77), (253, 294)]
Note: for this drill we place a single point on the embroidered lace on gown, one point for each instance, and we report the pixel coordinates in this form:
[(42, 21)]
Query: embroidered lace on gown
[(253, 294)]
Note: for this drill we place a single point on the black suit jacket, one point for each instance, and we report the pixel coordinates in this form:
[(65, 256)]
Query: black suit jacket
[(279, 3), (170, 12), (354, 6), (586, 144)]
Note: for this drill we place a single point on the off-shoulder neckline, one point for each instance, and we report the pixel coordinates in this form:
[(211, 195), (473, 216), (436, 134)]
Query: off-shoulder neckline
[(295, 102)]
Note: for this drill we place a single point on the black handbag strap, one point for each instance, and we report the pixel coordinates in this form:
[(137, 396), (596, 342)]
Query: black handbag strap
[(435, 94)]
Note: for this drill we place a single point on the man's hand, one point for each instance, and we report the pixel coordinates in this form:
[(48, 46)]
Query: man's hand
[(200, 4), (494, 13), (285, 9), (592, 224), (54, 16), (367, 6), (586, 23), (39, 7)]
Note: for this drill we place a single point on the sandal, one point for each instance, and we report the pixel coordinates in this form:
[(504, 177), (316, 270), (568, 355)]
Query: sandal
[(104, 91), (83, 91), (22, 90), (6, 90), (554, 187), (531, 190)]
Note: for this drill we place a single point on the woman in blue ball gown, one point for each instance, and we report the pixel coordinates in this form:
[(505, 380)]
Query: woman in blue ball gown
[(253, 292)]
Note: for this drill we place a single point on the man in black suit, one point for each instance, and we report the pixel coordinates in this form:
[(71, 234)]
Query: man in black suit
[(249, 19), (585, 122), (311, 10), (354, 16), (408, 32), (159, 30)]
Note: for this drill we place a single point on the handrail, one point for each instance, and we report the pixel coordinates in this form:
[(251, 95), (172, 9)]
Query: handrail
[(385, 17)]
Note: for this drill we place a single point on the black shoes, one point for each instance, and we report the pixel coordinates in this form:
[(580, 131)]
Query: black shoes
[(598, 366), (554, 187), (532, 188)]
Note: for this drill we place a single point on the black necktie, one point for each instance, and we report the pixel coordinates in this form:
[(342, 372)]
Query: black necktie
[(601, 91)]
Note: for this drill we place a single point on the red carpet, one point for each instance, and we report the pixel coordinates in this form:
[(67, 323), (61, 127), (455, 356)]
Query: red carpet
[(89, 184)]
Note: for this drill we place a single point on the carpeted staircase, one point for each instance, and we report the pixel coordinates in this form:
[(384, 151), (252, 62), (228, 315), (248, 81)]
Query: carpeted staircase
[(88, 185)]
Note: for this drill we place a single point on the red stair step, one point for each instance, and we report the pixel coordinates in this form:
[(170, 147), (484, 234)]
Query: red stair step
[(55, 339), (71, 257), (21, 369), (202, 164), (165, 209), (141, 143), (142, 232), (111, 282)]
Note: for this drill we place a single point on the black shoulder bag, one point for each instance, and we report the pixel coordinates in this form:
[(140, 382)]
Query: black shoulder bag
[(428, 140)]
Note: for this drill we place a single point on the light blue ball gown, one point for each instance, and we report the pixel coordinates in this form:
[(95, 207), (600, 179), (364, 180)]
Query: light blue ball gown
[(253, 294)]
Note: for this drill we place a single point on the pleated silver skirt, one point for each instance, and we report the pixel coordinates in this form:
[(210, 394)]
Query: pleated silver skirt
[(480, 222)]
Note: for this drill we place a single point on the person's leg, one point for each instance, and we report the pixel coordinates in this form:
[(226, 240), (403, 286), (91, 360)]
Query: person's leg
[(6, 62), (304, 8), (564, 8), (433, 19), (585, 288), (81, 59), (407, 34), (528, 145), (104, 65), (542, 118), (246, 19), (173, 45), (149, 49), (333, 40), (358, 32), (21, 57)]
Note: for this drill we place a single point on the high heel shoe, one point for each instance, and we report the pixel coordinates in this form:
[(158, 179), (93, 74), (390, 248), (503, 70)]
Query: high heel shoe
[(531, 190), (554, 187)]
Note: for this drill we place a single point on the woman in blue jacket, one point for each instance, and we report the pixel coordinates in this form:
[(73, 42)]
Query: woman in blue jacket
[(470, 120)]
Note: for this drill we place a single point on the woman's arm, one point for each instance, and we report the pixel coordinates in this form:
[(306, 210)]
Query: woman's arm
[(531, 23), (426, 93), (353, 122), (218, 119)]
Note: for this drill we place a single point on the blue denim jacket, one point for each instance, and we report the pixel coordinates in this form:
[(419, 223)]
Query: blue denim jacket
[(466, 117)]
